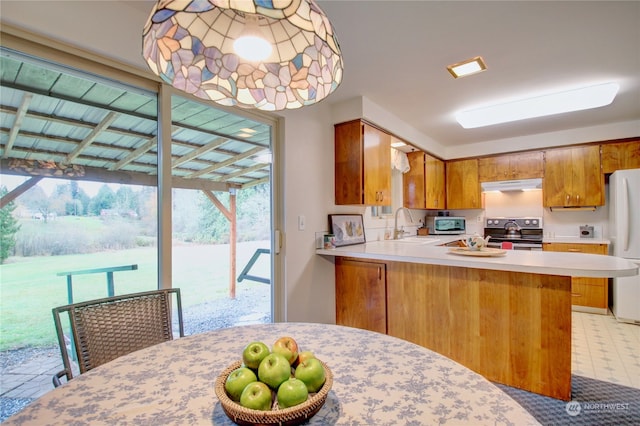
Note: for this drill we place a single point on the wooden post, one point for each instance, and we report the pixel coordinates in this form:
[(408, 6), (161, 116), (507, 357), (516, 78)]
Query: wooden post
[(230, 214), (232, 243)]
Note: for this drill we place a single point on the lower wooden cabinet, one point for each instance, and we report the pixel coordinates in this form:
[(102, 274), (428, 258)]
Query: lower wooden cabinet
[(590, 293), (512, 328), (361, 291)]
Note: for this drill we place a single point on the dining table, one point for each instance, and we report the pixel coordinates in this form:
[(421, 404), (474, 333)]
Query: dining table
[(377, 380)]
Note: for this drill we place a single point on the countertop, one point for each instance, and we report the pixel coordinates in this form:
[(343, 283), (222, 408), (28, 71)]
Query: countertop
[(427, 250)]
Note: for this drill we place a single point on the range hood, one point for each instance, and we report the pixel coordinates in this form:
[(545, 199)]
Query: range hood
[(512, 185)]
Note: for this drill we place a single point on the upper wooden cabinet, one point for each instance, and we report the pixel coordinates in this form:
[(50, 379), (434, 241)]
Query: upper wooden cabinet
[(424, 182), (362, 164), (620, 156), (524, 165), (463, 186), (573, 177)]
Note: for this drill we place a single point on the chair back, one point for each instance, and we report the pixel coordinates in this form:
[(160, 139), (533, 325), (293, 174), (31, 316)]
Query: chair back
[(108, 328)]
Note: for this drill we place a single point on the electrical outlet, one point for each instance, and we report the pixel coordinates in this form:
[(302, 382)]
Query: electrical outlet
[(301, 222), (479, 219)]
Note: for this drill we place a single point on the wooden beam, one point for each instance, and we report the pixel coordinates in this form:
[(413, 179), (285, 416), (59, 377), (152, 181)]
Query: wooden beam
[(17, 123), (142, 149), (225, 163), (197, 152), (102, 126), (19, 190), (130, 178)]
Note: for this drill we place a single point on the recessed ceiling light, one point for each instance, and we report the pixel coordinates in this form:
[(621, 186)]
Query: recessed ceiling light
[(468, 67), (248, 130), (540, 106), (397, 144), (244, 135)]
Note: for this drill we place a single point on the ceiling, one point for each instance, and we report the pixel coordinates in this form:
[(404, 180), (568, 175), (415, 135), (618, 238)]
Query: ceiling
[(396, 53)]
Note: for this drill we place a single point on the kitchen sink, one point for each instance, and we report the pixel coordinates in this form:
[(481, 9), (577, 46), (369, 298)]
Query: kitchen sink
[(413, 240)]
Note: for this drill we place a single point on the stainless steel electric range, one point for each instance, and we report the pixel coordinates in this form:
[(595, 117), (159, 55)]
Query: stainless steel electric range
[(524, 233)]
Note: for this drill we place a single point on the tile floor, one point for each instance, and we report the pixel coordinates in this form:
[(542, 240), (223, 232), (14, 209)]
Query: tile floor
[(605, 349)]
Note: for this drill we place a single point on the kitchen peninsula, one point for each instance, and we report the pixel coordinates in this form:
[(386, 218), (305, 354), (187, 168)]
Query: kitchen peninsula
[(507, 318)]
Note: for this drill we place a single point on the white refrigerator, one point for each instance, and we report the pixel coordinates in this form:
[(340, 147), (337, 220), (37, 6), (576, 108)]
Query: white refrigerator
[(624, 231)]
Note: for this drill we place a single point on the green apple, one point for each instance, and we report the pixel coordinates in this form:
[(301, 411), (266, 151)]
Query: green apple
[(287, 347), (311, 372), (256, 396), (254, 353), (274, 370), (305, 355), (237, 381), (292, 392)]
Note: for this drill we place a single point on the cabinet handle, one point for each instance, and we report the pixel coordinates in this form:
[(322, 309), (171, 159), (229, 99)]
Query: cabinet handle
[(578, 198), (576, 295), (379, 273), (568, 198), (575, 250)]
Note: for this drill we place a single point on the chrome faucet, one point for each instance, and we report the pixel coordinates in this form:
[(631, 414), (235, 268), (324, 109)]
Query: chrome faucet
[(399, 233)]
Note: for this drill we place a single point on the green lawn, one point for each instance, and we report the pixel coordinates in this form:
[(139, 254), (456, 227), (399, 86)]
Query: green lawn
[(30, 288)]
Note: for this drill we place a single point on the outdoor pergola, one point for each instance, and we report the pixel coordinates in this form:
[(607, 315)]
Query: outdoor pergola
[(58, 123)]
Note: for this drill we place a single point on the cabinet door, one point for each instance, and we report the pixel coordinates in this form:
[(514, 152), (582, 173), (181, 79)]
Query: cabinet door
[(590, 292), (491, 169), (413, 182), (573, 177), (434, 177), (620, 156), (361, 294), (349, 158), (556, 186), (527, 165), (377, 167), (463, 188), (588, 180)]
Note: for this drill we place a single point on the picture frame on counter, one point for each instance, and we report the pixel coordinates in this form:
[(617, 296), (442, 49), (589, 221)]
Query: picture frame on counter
[(347, 228)]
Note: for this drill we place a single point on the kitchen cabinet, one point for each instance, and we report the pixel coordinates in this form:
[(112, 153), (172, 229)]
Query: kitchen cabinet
[(525, 165), (463, 186), (573, 177), (361, 294), (620, 156), (423, 184), (362, 164), (589, 293), (497, 323)]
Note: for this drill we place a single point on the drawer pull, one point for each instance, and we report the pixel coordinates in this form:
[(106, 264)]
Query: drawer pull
[(575, 250)]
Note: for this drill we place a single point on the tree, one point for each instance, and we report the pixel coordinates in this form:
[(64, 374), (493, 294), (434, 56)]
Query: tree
[(104, 200), (37, 201), (8, 227)]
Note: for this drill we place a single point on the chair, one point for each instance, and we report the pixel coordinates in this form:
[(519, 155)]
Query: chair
[(105, 329)]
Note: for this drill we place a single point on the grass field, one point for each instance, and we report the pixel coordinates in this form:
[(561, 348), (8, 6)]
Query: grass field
[(30, 287)]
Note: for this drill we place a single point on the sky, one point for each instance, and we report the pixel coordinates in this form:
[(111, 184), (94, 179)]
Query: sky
[(49, 184)]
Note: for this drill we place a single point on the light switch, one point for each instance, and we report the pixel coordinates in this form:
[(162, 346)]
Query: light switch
[(301, 222)]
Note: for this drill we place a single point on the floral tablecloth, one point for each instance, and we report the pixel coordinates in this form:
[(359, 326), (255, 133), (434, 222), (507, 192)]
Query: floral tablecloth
[(378, 380)]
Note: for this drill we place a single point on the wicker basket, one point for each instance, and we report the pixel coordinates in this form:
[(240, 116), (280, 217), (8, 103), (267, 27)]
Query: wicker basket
[(287, 416)]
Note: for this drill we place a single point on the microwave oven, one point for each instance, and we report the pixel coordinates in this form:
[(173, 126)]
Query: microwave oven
[(446, 225)]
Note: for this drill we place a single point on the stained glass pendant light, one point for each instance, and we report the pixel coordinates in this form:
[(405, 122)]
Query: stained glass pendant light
[(190, 45)]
